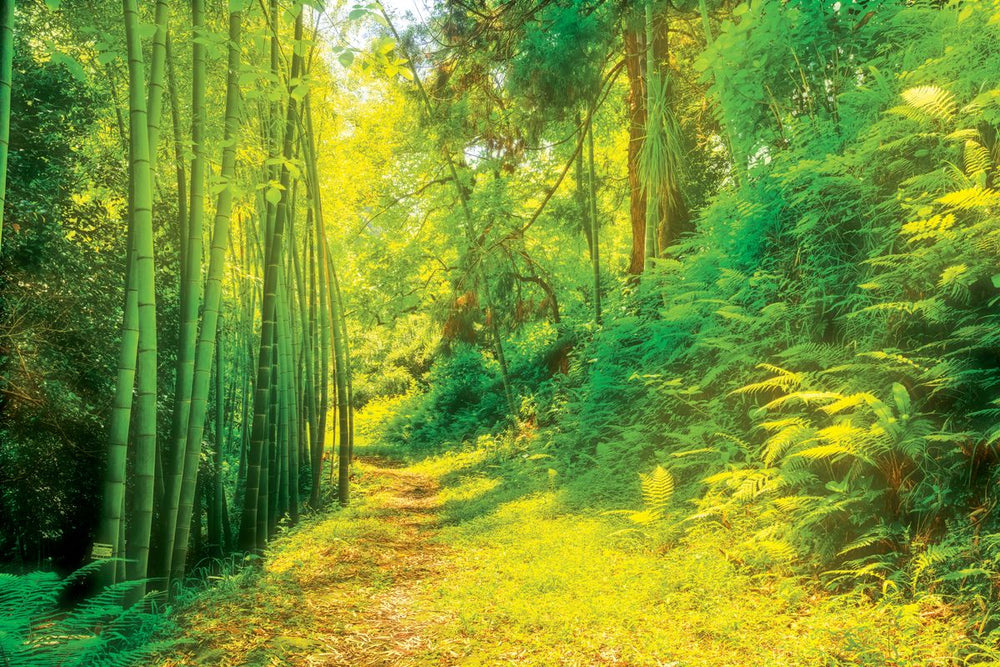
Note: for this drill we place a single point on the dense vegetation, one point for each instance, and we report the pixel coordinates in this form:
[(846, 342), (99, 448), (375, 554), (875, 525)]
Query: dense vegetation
[(727, 269)]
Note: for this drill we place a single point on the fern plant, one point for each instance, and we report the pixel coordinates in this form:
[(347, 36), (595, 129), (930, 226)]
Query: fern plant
[(849, 473), (101, 631), (657, 490)]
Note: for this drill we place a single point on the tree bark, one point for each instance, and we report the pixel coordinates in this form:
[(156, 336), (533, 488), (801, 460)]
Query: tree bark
[(596, 251), (634, 48), (6, 77)]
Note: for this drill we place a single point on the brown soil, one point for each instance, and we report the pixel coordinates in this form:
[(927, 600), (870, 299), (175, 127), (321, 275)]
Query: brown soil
[(350, 603)]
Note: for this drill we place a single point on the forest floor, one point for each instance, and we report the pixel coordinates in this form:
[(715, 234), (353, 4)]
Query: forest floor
[(464, 559)]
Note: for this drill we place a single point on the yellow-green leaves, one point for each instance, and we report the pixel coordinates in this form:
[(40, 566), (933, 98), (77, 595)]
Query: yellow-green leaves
[(927, 102), (657, 490)]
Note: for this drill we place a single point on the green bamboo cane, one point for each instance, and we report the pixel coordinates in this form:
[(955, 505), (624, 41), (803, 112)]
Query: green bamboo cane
[(248, 540), (176, 468), (201, 370), (140, 206), (109, 530), (324, 330)]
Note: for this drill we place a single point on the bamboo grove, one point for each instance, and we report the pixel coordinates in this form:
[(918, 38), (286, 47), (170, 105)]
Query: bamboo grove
[(260, 339)]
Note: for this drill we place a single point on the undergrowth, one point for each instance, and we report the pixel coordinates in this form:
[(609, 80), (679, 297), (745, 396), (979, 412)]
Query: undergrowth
[(816, 366), (38, 626)]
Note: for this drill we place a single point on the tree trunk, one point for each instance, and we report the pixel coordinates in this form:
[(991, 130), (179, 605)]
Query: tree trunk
[(6, 76), (173, 523), (201, 368), (634, 47), (140, 209), (583, 207), (596, 248)]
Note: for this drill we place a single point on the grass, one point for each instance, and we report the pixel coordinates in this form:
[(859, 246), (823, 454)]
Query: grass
[(475, 559), (529, 582)]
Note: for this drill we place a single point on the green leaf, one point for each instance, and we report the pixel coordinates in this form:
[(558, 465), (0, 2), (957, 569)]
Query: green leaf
[(902, 398), (70, 63), (105, 57), (302, 47), (346, 58), (384, 45), (357, 13), (273, 196), (300, 91), (53, 4)]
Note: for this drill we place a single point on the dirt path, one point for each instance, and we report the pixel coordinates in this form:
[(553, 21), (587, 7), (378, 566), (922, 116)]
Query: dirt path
[(336, 591), (388, 630)]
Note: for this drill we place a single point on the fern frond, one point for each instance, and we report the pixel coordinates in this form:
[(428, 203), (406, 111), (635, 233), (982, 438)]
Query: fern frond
[(783, 380), (976, 157), (938, 226), (779, 424), (777, 370), (777, 550), (971, 198), (869, 539), (834, 451), (657, 489), (848, 402), (753, 486), (806, 397), (931, 100), (891, 355), (963, 135), (793, 434)]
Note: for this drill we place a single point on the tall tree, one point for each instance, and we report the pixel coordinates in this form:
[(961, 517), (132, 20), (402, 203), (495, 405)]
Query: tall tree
[(6, 75), (190, 295), (595, 253), (141, 222), (202, 366), (634, 37), (251, 536)]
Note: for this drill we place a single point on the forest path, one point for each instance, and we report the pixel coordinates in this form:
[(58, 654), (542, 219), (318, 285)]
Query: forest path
[(476, 557), (387, 629), (338, 590)]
